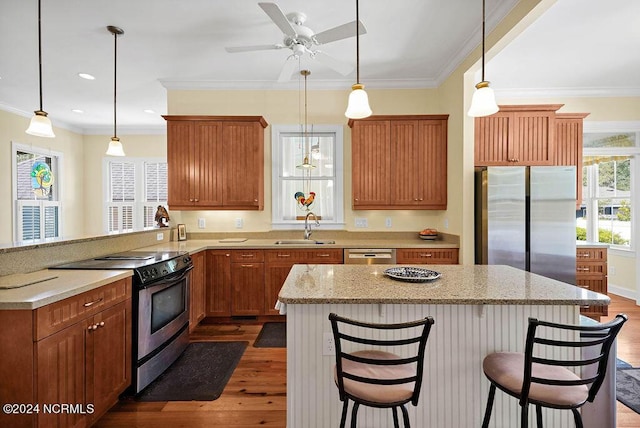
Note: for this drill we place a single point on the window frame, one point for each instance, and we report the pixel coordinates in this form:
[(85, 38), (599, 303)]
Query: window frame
[(139, 202), (57, 167), (277, 221), (590, 197)]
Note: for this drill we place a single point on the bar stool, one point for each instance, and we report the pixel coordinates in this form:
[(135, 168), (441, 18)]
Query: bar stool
[(376, 377), (547, 382)]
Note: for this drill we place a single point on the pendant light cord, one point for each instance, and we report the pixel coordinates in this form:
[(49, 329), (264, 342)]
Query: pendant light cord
[(358, 42), (115, 68), (483, 17), (40, 52)]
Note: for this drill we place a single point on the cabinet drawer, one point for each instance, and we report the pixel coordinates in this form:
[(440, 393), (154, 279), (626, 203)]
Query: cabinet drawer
[(599, 254), (241, 256), (56, 316), (591, 268), (598, 285), (427, 255), (312, 256)]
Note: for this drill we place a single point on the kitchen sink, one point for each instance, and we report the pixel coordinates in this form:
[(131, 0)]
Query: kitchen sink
[(303, 242)]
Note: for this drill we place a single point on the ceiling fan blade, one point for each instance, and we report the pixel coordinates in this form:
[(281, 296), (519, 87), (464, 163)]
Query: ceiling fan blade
[(288, 69), (235, 49), (278, 18), (337, 65), (340, 32)]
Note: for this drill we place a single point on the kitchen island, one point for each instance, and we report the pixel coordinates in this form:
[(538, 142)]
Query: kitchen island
[(477, 310)]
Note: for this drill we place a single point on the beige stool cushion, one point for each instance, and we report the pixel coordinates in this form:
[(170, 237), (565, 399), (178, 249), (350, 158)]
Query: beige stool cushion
[(378, 393), (507, 370)]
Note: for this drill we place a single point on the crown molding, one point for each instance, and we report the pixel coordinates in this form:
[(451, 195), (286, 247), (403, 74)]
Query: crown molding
[(567, 92)]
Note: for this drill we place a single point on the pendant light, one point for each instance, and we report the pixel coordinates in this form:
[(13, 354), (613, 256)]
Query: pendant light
[(483, 102), (358, 105), (40, 125), (306, 163), (115, 146)]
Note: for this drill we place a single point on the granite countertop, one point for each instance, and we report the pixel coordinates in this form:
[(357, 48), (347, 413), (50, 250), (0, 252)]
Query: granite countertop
[(458, 284), (40, 288)]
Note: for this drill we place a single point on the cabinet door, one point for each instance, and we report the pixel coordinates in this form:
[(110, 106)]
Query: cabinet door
[(569, 128), (370, 145), (243, 165), (207, 163), (533, 141), (108, 357), (60, 360), (218, 283), (180, 155), (491, 136), (432, 169), (439, 256), (274, 277), (197, 292), (247, 288), (405, 162)]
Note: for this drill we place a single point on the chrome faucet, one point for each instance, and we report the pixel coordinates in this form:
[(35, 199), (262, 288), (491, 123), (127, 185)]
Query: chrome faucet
[(307, 226)]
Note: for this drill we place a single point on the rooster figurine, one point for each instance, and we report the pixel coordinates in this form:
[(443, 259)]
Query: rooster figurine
[(299, 197), (308, 201)]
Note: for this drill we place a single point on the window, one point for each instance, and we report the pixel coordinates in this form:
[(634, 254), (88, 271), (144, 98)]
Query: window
[(135, 188), (36, 191), (609, 167), (294, 187)]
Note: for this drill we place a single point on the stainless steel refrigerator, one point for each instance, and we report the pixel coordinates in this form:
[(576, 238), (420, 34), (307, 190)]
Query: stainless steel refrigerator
[(525, 218)]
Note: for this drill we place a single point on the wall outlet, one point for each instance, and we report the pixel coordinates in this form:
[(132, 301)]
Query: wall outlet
[(160, 236), (387, 222), (612, 270), (361, 222), (239, 223), (201, 223), (328, 345), (446, 223)]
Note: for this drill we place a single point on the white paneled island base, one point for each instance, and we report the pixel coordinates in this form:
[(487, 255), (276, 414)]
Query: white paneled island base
[(455, 389)]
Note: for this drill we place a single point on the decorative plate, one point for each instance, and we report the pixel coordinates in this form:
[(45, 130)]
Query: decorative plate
[(412, 274)]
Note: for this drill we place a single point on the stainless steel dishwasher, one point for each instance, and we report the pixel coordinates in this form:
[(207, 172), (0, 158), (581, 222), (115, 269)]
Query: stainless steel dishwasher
[(369, 256)]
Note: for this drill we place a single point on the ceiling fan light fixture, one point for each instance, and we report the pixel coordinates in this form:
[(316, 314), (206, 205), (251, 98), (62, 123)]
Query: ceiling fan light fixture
[(40, 125), (358, 104), (483, 102), (115, 146)]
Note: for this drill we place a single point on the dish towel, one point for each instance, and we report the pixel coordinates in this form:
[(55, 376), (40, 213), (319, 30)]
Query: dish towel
[(281, 307)]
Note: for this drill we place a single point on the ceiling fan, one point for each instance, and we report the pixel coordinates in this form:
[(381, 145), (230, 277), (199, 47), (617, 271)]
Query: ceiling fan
[(302, 40)]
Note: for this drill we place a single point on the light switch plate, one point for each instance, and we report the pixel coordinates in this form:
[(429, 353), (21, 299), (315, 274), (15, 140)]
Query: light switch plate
[(201, 223), (239, 223), (160, 236), (361, 222)]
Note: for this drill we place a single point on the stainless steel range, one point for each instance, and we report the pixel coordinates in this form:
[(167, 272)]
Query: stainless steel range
[(160, 307)]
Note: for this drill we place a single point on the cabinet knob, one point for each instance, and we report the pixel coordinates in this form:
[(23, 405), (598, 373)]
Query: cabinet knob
[(356, 199), (197, 200), (190, 199), (101, 324)]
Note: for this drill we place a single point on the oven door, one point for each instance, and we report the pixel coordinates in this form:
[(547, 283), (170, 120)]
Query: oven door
[(163, 309)]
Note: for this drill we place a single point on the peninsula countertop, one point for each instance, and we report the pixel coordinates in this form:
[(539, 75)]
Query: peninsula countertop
[(458, 284)]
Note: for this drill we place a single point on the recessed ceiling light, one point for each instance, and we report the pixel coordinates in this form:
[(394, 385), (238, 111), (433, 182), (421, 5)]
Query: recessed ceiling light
[(86, 76), (149, 111), (77, 110)]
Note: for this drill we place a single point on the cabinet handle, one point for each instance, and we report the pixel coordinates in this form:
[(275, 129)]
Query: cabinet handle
[(426, 255), (323, 255), (583, 269), (246, 255), (284, 255), (583, 255), (86, 305), (246, 266)]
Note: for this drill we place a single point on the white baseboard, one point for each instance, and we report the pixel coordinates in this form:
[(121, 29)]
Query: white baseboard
[(623, 292)]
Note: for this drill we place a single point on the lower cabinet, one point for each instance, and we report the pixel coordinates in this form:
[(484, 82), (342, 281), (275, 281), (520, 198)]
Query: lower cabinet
[(591, 273), (247, 282), (434, 256), (197, 298), (79, 361)]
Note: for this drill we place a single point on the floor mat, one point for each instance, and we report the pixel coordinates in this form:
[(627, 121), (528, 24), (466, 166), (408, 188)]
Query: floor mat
[(628, 388), (272, 335), (199, 374)]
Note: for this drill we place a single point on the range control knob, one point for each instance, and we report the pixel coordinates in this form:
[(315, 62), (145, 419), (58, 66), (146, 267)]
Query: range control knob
[(154, 272), (186, 259)]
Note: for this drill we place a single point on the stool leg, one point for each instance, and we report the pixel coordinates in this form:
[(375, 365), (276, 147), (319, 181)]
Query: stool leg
[(524, 420), (395, 417), (487, 413), (405, 415), (539, 416), (354, 414), (344, 412), (577, 417)]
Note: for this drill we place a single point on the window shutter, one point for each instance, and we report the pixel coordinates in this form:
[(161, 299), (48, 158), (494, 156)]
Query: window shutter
[(122, 176), (30, 219)]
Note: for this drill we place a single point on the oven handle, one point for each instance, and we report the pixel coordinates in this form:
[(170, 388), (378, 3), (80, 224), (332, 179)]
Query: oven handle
[(169, 279)]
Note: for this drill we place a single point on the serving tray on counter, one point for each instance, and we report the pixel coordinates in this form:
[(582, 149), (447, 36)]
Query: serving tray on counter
[(411, 274)]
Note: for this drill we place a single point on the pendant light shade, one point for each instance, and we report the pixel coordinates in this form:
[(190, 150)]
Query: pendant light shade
[(483, 102), (40, 125), (115, 146), (358, 105)]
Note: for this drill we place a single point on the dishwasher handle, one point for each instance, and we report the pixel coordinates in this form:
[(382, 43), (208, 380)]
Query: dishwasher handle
[(370, 256)]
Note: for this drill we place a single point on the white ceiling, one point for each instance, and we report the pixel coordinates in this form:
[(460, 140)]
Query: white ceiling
[(576, 46)]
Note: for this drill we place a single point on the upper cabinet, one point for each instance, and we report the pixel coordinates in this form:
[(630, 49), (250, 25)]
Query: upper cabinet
[(569, 128), (517, 135), (399, 162), (215, 162)]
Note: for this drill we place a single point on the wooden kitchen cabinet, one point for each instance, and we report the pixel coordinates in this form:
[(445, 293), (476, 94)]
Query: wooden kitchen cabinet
[(218, 283), (247, 282), (75, 351), (569, 128), (521, 135), (399, 162), (591, 273), (434, 256), (215, 162), (278, 263), (197, 292)]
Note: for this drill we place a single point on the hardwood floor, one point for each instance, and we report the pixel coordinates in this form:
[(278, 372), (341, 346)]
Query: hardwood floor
[(256, 393)]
